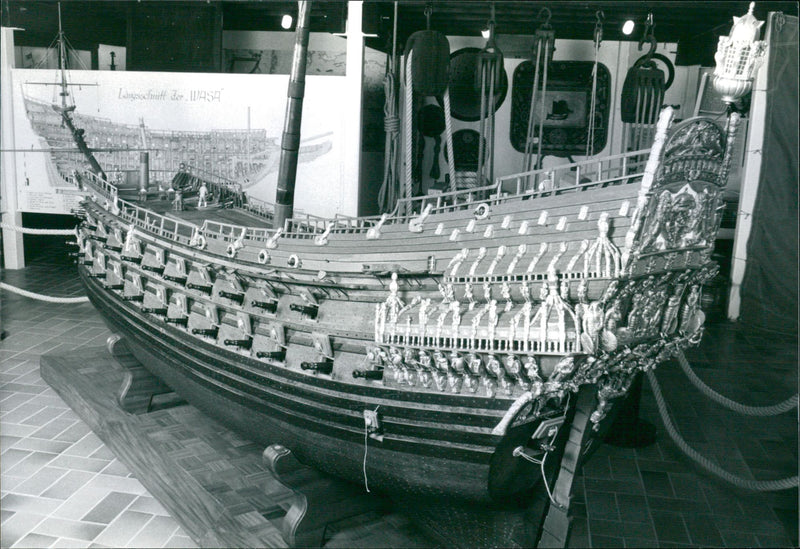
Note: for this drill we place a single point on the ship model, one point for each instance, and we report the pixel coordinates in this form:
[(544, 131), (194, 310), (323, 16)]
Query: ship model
[(439, 349)]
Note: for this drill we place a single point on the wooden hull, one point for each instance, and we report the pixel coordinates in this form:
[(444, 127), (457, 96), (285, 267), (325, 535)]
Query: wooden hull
[(434, 444), (435, 351)]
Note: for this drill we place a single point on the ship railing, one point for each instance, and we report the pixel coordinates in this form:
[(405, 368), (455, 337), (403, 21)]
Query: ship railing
[(228, 232), (100, 185), (166, 227), (349, 224), (305, 225), (442, 202), (610, 170), (260, 208), (614, 170)]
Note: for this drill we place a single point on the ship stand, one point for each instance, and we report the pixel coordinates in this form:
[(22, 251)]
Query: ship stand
[(320, 500)]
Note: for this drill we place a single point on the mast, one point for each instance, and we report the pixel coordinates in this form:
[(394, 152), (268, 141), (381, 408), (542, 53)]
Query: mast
[(62, 64), (64, 109), (290, 141)]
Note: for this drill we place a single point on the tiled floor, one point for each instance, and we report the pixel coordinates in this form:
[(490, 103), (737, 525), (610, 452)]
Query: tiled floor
[(62, 488)]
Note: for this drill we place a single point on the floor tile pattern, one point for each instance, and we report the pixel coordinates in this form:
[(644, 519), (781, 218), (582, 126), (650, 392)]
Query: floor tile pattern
[(211, 480), (61, 487)]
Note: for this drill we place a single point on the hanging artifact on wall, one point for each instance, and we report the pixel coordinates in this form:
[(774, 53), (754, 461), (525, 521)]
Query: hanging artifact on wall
[(564, 121), (643, 93)]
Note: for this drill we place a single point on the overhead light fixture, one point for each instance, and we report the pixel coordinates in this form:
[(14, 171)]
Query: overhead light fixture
[(627, 28), (486, 33), (286, 21)]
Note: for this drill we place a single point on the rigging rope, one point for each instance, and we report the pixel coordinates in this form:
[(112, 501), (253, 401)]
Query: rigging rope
[(40, 297), (391, 125), (705, 463), (763, 411), (408, 118), (387, 196), (448, 128), (598, 37), (25, 230), (531, 113), (542, 110)]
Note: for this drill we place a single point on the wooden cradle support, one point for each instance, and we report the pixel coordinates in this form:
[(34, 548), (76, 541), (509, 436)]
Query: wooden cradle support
[(319, 500), (141, 392)]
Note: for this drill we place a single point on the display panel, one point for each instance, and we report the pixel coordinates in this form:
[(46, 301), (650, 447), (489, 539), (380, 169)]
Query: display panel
[(227, 124), (567, 103)]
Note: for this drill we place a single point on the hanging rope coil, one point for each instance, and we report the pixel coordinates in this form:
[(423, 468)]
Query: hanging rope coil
[(25, 230), (40, 297), (391, 126), (762, 411), (705, 463)]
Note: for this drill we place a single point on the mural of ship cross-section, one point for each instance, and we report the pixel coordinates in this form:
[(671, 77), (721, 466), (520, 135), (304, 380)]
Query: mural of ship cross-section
[(245, 156)]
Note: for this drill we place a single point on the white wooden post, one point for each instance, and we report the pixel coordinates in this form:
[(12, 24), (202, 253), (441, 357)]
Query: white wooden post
[(354, 68), (13, 252)]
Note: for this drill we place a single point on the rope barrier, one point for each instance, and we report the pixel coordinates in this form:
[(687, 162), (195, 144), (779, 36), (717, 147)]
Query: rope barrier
[(25, 230), (762, 411), (705, 463), (40, 297)]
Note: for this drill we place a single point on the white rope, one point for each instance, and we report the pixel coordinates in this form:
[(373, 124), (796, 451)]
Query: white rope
[(366, 449), (704, 462), (391, 126), (528, 158), (407, 129), (448, 128), (593, 105), (763, 411), (25, 230), (542, 105), (40, 297)]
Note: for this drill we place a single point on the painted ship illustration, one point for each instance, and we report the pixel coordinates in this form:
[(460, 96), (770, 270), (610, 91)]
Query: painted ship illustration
[(447, 348), (242, 156)]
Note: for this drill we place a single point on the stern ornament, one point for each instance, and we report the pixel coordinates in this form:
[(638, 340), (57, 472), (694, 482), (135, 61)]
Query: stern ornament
[(738, 56)]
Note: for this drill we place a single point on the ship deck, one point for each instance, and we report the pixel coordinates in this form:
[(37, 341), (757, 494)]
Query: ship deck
[(624, 497), (192, 214)]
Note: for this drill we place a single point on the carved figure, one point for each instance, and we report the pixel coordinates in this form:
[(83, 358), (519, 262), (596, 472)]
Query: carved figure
[(393, 302), (202, 196), (455, 321), (492, 320), (690, 308), (532, 369)]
